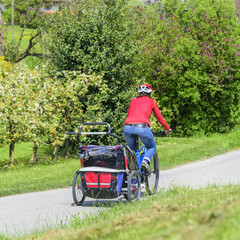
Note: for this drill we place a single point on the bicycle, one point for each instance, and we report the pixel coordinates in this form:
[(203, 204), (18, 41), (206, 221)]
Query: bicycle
[(110, 171), (149, 180)]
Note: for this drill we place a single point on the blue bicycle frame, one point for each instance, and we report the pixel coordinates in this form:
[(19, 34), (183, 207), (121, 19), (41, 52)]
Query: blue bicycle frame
[(140, 155)]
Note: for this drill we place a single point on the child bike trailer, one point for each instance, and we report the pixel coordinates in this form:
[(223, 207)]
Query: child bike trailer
[(104, 172)]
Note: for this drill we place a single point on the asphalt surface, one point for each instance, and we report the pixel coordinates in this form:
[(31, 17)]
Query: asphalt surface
[(25, 213), (220, 170)]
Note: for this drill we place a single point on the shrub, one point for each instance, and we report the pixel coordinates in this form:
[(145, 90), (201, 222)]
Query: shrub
[(193, 62), (95, 37), (36, 107)]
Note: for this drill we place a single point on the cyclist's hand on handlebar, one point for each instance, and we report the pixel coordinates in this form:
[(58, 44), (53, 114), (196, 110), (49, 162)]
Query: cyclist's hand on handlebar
[(168, 131)]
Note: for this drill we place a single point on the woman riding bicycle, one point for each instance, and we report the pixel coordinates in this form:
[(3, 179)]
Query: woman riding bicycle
[(137, 123)]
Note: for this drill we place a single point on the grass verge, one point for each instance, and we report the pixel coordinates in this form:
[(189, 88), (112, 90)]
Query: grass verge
[(180, 213), (176, 151), (23, 153), (38, 177)]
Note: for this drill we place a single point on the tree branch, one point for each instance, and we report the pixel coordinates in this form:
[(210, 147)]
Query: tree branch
[(24, 27), (26, 53)]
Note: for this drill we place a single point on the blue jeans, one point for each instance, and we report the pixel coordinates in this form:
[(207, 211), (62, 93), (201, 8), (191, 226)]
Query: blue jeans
[(146, 137)]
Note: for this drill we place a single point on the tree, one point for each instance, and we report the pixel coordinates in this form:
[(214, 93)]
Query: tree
[(18, 109), (193, 62), (95, 37), (38, 108), (27, 14), (79, 99)]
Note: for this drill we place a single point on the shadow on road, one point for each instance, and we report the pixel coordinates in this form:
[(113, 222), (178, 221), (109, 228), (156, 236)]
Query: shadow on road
[(102, 202)]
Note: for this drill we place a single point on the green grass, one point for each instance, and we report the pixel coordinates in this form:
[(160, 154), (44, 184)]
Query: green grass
[(23, 152), (16, 34), (181, 213), (177, 151), (48, 174), (38, 177)]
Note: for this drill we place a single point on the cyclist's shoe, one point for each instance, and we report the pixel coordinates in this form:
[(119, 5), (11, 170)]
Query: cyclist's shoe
[(145, 167)]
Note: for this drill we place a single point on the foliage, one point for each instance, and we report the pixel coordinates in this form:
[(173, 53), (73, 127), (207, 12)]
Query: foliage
[(34, 105), (79, 99), (193, 63), (15, 109), (19, 110), (23, 12), (95, 36), (5, 67)]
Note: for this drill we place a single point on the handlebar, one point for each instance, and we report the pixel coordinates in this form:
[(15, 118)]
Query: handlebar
[(160, 133)]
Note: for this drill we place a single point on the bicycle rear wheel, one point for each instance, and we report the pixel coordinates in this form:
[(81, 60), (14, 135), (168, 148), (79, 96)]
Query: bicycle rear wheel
[(151, 181), (78, 196)]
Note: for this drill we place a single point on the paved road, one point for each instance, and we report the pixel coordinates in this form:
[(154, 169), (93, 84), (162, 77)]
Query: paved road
[(35, 211), (220, 170)]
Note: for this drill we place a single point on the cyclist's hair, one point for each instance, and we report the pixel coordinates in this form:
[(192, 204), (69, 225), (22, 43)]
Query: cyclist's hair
[(144, 94)]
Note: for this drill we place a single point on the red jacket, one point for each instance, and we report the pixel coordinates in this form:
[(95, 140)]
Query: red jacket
[(140, 110)]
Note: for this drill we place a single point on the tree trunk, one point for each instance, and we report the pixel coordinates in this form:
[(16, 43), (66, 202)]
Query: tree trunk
[(66, 145), (11, 153), (34, 153), (54, 154), (12, 145)]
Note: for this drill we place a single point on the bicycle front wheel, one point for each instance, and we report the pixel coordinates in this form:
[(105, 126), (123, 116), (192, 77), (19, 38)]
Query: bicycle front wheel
[(78, 196), (151, 181)]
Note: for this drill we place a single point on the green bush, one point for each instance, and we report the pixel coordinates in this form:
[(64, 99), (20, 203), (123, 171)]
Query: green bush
[(193, 63), (95, 36)]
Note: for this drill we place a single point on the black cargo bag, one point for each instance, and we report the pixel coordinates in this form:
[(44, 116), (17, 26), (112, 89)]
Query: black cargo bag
[(103, 156), (101, 183)]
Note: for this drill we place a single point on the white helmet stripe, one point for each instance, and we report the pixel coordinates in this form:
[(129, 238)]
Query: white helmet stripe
[(143, 88)]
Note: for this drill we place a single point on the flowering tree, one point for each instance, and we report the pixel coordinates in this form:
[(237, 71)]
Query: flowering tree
[(193, 62), (77, 99), (18, 108), (35, 106)]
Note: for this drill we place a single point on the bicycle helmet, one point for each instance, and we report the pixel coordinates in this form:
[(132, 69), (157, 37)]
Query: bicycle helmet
[(145, 88)]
